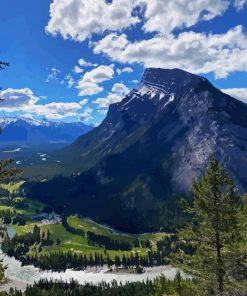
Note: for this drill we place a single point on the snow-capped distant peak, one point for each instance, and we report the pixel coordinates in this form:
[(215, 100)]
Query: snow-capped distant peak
[(26, 129), (4, 121), (30, 120)]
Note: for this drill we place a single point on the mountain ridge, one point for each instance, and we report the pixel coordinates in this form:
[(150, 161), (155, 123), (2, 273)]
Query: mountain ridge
[(146, 152), (23, 129)]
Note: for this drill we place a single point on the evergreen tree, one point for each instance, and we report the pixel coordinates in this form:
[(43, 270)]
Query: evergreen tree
[(215, 231), (6, 173)]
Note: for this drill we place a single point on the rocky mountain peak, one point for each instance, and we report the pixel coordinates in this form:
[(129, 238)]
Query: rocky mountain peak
[(168, 80), (157, 90), (149, 148)]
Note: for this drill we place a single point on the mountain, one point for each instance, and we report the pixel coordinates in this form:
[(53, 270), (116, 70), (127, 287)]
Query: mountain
[(23, 130), (131, 170)]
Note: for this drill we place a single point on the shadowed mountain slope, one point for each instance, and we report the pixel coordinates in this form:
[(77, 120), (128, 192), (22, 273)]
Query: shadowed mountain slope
[(131, 170)]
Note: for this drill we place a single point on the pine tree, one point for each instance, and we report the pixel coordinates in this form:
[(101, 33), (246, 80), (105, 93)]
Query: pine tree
[(6, 173), (215, 231)]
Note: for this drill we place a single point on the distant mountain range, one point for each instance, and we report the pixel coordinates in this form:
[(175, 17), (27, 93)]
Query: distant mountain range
[(131, 170), (23, 130)]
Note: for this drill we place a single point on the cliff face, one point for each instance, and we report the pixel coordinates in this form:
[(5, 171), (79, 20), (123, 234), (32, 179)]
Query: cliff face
[(149, 148)]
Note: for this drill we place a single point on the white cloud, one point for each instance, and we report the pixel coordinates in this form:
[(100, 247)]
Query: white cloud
[(164, 17), (124, 70), (89, 83), (24, 100), (84, 63), (70, 80), (195, 52), (83, 102), (108, 100), (99, 74), (79, 19), (239, 4), (238, 93), (53, 75), (55, 109), (15, 99), (54, 116), (78, 70), (88, 88), (103, 112), (120, 88), (86, 114)]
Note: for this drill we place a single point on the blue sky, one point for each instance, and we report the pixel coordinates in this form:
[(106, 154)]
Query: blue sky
[(69, 59)]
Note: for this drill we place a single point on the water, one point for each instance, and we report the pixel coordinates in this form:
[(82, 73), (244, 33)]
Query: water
[(20, 275), (11, 231)]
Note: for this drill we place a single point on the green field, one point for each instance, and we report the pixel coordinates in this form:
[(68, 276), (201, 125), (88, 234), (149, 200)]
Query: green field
[(12, 187), (76, 243), (66, 241), (89, 225)]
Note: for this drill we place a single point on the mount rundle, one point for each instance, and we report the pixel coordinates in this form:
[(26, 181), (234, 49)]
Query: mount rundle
[(131, 170)]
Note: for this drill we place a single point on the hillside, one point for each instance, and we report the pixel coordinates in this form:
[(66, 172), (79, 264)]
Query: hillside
[(130, 171)]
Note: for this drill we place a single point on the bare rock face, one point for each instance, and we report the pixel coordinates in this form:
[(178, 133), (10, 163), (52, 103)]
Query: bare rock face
[(149, 148)]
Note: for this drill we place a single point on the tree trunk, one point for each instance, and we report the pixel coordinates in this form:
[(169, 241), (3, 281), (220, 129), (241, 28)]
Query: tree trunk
[(220, 268)]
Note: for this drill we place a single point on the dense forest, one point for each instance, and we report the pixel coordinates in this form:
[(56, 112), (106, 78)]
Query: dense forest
[(159, 287), (20, 245), (212, 248)]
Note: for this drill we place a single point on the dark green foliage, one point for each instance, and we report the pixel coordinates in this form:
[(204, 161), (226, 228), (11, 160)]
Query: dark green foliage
[(159, 287), (107, 242), (8, 216), (99, 240), (47, 209), (215, 233), (71, 229), (60, 261), (19, 245), (6, 172)]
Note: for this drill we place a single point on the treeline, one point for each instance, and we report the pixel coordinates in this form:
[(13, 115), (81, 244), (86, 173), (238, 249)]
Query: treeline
[(171, 244), (19, 245), (107, 242), (60, 261), (72, 229), (103, 240), (159, 287), (11, 217), (18, 202)]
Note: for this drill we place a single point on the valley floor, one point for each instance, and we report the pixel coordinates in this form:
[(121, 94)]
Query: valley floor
[(74, 234)]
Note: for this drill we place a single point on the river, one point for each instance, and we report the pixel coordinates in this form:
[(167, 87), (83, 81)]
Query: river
[(19, 276)]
